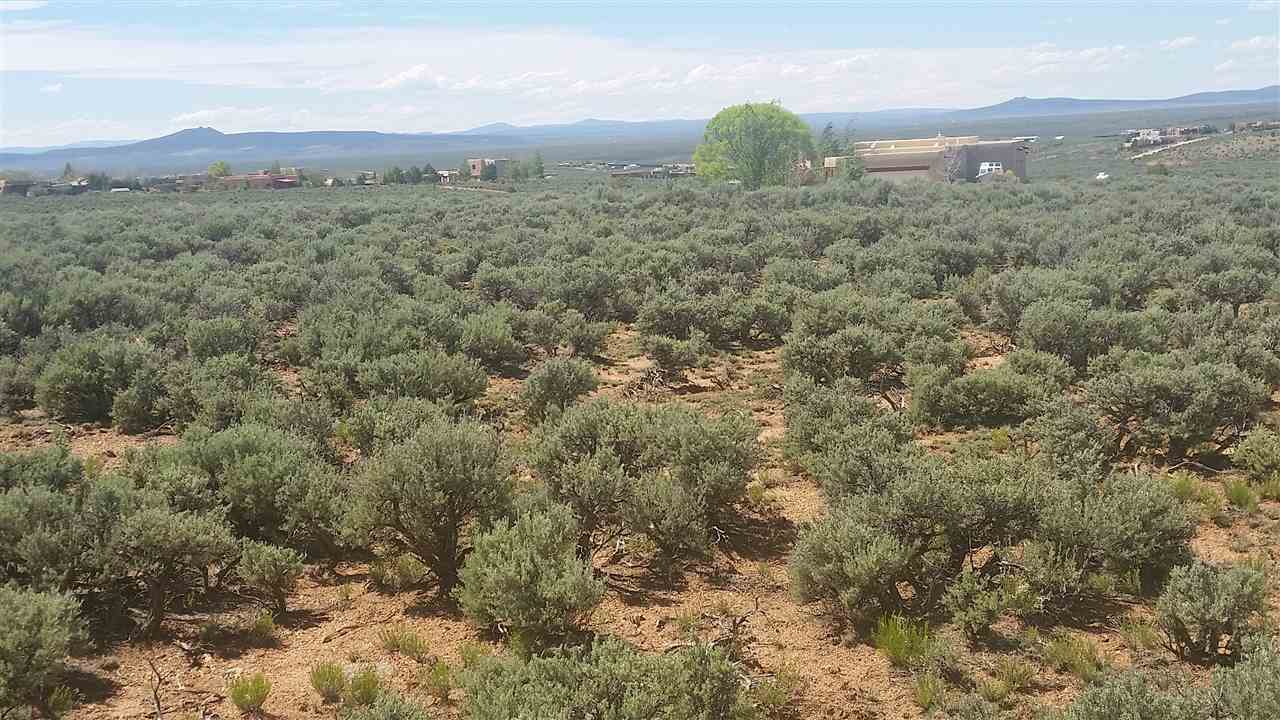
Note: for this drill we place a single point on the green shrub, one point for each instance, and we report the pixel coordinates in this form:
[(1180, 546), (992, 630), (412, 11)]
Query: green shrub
[(169, 553), (82, 379), (36, 633), (1140, 697), (249, 692), (399, 572), (364, 687), (261, 628), (907, 643), (1258, 454), (973, 605), (775, 698), (400, 639), (1140, 635), (1016, 674), (430, 494), (526, 576), (438, 680), (384, 421), (1250, 690), (1240, 495), (387, 706), (980, 398), (607, 680), (430, 375), (329, 681), (1198, 496), (488, 338), (928, 689), (219, 336), (1076, 655), (1205, 610), (17, 386), (673, 357), (272, 571), (555, 384)]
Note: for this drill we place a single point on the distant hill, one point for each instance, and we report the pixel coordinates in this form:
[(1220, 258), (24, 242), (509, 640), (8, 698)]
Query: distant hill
[(1040, 107), (19, 150), (193, 149)]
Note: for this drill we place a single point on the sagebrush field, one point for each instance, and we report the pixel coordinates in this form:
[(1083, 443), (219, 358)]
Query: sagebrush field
[(860, 450)]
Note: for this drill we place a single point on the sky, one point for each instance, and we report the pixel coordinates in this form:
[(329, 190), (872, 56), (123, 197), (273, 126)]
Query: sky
[(78, 70)]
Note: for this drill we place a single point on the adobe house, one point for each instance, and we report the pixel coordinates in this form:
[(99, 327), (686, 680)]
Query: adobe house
[(939, 158), (477, 166)]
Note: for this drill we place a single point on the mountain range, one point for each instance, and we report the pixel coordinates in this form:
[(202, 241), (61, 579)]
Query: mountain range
[(194, 148)]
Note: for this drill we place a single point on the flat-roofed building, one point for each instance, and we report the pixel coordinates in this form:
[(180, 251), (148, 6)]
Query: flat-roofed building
[(937, 158)]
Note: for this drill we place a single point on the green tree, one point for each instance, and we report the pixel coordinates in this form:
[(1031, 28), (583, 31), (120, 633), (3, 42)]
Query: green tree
[(537, 169), (464, 172), (413, 175), (429, 174), (68, 172), (829, 144), (219, 169), (755, 143), (394, 176), (489, 172)]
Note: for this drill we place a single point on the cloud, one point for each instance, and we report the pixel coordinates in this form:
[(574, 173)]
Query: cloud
[(1264, 5), (1179, 43), (1225, 67), (1256, 43), (20, 5), (51, 88), (1222, 21)]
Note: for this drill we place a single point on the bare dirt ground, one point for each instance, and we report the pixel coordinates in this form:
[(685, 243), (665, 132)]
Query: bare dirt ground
[(338, 616)]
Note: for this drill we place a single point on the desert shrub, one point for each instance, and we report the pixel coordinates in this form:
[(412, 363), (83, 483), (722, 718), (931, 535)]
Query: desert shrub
[(1205, 610), (488, 338), (17, 386), (169, 553), (1074, 654), (430, 374), (556, 383), (525, 575), (397, 573), (905, 642), (272, 571), (429, 494), (672, 356), (261, 628), (384, 421), (1049, 369), (387, 706), (1258, 454), (400, 639), (1250, 690), (1130, 523), (1240, 495), (1163, 404), (364, 687), (607, 680), (219, 336), (582, 336), (214, 393), (1198, 496), (36, 633), (249, 692), (81, 380), (329, 681), (1016, 674), (437, 680), (1073, 440), (1137, 696), (53, 467), (982, 397), (973, 605), (268, 482), (928, 689), (647, 461), (850, 565), (1058, 328), (669, 513)]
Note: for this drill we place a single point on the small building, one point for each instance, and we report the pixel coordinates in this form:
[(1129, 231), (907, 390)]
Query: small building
[(16, 187), (259, 181), (447, 177), (939, 158), (501, 166)]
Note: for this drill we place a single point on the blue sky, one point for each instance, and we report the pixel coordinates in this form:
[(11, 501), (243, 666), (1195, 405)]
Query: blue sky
[(74, 71)]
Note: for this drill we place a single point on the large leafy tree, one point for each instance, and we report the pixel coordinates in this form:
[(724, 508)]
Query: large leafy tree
[(755, 143), (219, 169)]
